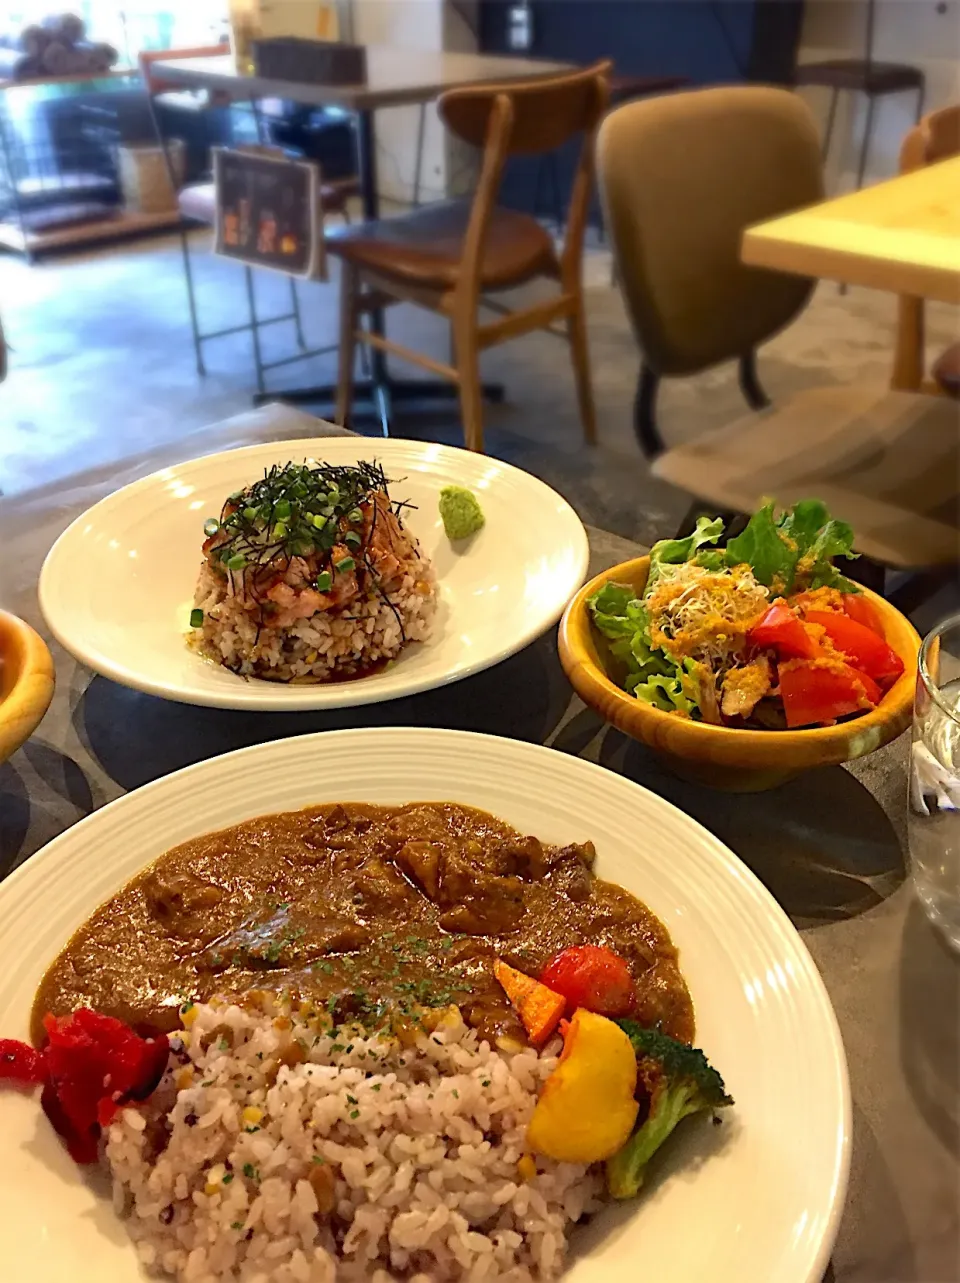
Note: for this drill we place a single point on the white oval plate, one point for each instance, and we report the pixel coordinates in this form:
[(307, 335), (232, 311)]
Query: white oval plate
[(754, 1201), (117, 586)]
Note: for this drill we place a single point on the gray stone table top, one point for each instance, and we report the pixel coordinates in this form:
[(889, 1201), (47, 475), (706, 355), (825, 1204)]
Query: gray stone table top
[(830, 846), (394, 76)]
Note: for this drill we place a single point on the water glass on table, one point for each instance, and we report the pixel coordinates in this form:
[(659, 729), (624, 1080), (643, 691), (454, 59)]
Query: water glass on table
[(934, 827)]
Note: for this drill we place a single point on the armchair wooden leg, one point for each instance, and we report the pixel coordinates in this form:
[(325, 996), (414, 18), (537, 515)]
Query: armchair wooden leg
[(580, 351), (349, 285), (464, 330)]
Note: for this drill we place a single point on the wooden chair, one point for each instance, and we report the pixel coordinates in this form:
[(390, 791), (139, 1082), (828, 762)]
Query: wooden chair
[(886, 461), (936, 138), (449, 256), (197, 204)]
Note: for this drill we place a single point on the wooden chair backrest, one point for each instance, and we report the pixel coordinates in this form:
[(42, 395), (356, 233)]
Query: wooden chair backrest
[(935, 138), (523, 118), (547, 110), (147, 57)]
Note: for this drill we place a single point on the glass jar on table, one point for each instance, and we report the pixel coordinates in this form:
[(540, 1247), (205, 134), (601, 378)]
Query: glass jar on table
[(934, 825)]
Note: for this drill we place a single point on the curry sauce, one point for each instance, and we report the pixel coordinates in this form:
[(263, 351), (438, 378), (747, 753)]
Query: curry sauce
[(364, 908)]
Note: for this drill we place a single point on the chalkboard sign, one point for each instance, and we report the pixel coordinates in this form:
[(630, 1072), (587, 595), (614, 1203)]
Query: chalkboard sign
[(268, 211)]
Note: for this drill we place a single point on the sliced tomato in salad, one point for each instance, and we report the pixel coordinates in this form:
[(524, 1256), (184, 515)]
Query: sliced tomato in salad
[(781, 629), (819, 691), (866, 650), (859, 607)]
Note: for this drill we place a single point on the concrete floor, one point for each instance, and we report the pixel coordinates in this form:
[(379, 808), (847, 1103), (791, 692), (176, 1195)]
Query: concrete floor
[(102, 366)]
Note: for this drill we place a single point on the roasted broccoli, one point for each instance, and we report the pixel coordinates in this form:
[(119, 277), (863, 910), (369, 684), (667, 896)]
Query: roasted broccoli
[(679, 1081)]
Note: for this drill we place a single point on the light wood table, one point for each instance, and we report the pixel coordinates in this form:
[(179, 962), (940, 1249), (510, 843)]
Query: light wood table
[(902, 236)]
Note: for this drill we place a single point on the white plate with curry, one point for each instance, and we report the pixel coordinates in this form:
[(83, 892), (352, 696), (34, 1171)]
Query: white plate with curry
[(313, 573), (756, 1200)]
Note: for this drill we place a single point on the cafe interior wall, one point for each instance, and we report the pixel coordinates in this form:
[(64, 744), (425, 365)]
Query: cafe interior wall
[(438, 25), (922, 33)]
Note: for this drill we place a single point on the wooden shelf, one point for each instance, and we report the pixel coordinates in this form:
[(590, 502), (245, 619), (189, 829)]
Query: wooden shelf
[(123, 224)]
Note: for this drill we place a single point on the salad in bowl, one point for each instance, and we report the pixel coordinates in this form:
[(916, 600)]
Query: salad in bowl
[(764, 632)]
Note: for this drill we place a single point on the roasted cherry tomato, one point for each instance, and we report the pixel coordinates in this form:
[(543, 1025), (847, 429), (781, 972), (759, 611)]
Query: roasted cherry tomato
[(782, 630), (593, 977), (866, 650), (818, 691)]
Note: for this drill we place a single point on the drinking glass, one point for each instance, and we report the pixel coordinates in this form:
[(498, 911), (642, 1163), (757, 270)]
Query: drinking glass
[(934, 821)]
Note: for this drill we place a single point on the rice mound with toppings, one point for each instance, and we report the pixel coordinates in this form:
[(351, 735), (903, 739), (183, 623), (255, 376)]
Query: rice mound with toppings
[(278, 1150), (304, 583)]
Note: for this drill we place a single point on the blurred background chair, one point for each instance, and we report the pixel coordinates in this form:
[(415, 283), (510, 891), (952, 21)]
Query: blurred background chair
[(197, 205), (681, 182), (936, 138), (449, 256), (863, 76), (681, 176)]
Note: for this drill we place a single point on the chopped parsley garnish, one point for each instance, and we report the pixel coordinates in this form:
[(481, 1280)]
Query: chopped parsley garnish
[(318, 1159), (354, 1113), (251, 1172)]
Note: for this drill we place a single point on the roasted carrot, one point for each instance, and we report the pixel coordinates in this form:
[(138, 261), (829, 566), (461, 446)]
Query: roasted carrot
[(537, 1006)]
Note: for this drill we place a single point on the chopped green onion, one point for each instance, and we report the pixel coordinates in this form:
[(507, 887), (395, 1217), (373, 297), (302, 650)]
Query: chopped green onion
[(196, 618), (327, 511), (303, 547), (334, 495), (250, 514), (352, 538), (319, 521), (345, 564), (211, 526), (324, 580), (236, 562), (282, 509), (355, 515), (279, 531)]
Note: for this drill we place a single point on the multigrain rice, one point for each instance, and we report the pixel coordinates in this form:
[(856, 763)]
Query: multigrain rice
[(277, 1150), (330, 644)]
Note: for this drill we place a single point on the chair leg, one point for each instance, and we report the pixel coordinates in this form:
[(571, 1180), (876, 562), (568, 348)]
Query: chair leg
[(831, 118), (468, 365), (865, 145), (580, 352), (254, 330), (418, 163), (644, 413), (194, 326), (298, 324), (349, 288), (750, 385)]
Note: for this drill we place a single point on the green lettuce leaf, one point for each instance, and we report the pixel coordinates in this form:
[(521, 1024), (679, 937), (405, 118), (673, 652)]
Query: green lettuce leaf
[(665, 692), (674, 551), (770, 557)]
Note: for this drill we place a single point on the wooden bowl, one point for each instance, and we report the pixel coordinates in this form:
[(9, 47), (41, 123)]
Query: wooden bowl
[(724, 757), (26, 682)]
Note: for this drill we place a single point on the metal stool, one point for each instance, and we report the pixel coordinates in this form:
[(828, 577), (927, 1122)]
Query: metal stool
[(866, 76)]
